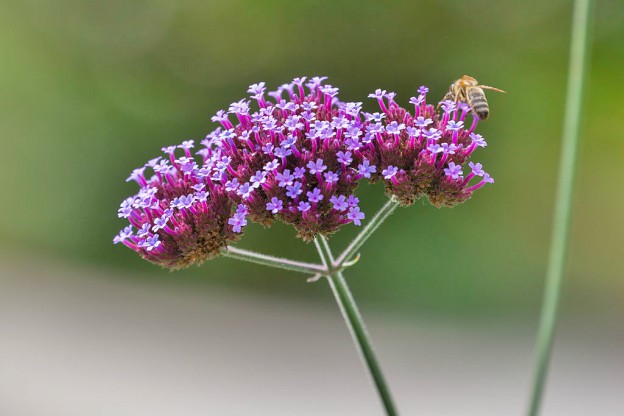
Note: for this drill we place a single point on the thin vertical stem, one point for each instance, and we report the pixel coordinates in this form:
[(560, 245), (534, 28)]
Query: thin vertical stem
[(563, 199), (356, 326)]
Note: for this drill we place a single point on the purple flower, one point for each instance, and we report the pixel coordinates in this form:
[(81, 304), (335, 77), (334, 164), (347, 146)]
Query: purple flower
[(353, 109), (352, 144), (344, 158), (353, 200), (331, 177), (340, 122), (428, 133), (315, 195), (379, 94), (299, 81), (240, 107), (417, 101), (271, 166), (284, 178), (144, 230), (125, 210), (232, 185), (160, 223), (294, 190), (258, 179), (329, 90), (304, 206), (448, 106), (137, 176), (412, 131), (315, 82), (153, 162), (169, 149), (422, 122), (317, 166), (477, 168), (220, 117), (187, 144), (435, 148), (304, 139), (395, 128), (376, 128), (477, 140), (486, 179), (308, 106), (241, 210), (340, 202), (366, 169), (299, 172), (292, 123), (181, 213), (162, 167), (275, 205), (353, 132), (268, 148), (188, 167), (453, 171), (282, 152), (237, 222), (123, 235), (256, 89), (201, 196), (186, 201), (423, 90), (355, 215), (454, 126), (288, 141), (389, 172), (461, 106), (245, 190), (151, 242), (432, 134), (448, 148)]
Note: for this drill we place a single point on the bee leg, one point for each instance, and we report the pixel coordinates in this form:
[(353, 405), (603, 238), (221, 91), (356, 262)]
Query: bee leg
[(449, 96)]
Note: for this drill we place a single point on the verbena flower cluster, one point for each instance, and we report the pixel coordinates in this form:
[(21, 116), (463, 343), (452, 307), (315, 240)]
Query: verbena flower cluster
[(179, 216), (424, 154), (297, 156)]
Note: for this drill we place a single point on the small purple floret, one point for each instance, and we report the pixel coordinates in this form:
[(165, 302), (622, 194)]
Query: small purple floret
[(355, 215)]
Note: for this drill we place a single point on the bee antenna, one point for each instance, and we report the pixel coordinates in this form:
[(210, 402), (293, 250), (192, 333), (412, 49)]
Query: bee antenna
[(487, 87)]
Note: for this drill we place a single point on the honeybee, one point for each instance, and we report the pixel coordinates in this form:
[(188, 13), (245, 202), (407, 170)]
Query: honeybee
[(468, 90)]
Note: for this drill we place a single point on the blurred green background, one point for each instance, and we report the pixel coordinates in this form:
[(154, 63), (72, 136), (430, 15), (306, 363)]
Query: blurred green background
[(92, 89)]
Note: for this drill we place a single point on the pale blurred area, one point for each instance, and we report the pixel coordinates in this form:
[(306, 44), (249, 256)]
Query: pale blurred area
[(90, 90), (76, 342)]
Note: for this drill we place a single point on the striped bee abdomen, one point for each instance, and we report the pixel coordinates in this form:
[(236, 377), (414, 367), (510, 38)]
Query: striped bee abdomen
[(478, 103)]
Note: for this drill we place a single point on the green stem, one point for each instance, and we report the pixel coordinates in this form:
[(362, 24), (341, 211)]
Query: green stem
[(563, 199), (367, 231), (277, 262), (356, 325)]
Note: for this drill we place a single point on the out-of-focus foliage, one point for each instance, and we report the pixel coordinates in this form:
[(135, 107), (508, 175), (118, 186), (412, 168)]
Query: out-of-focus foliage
[(90, 90)]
